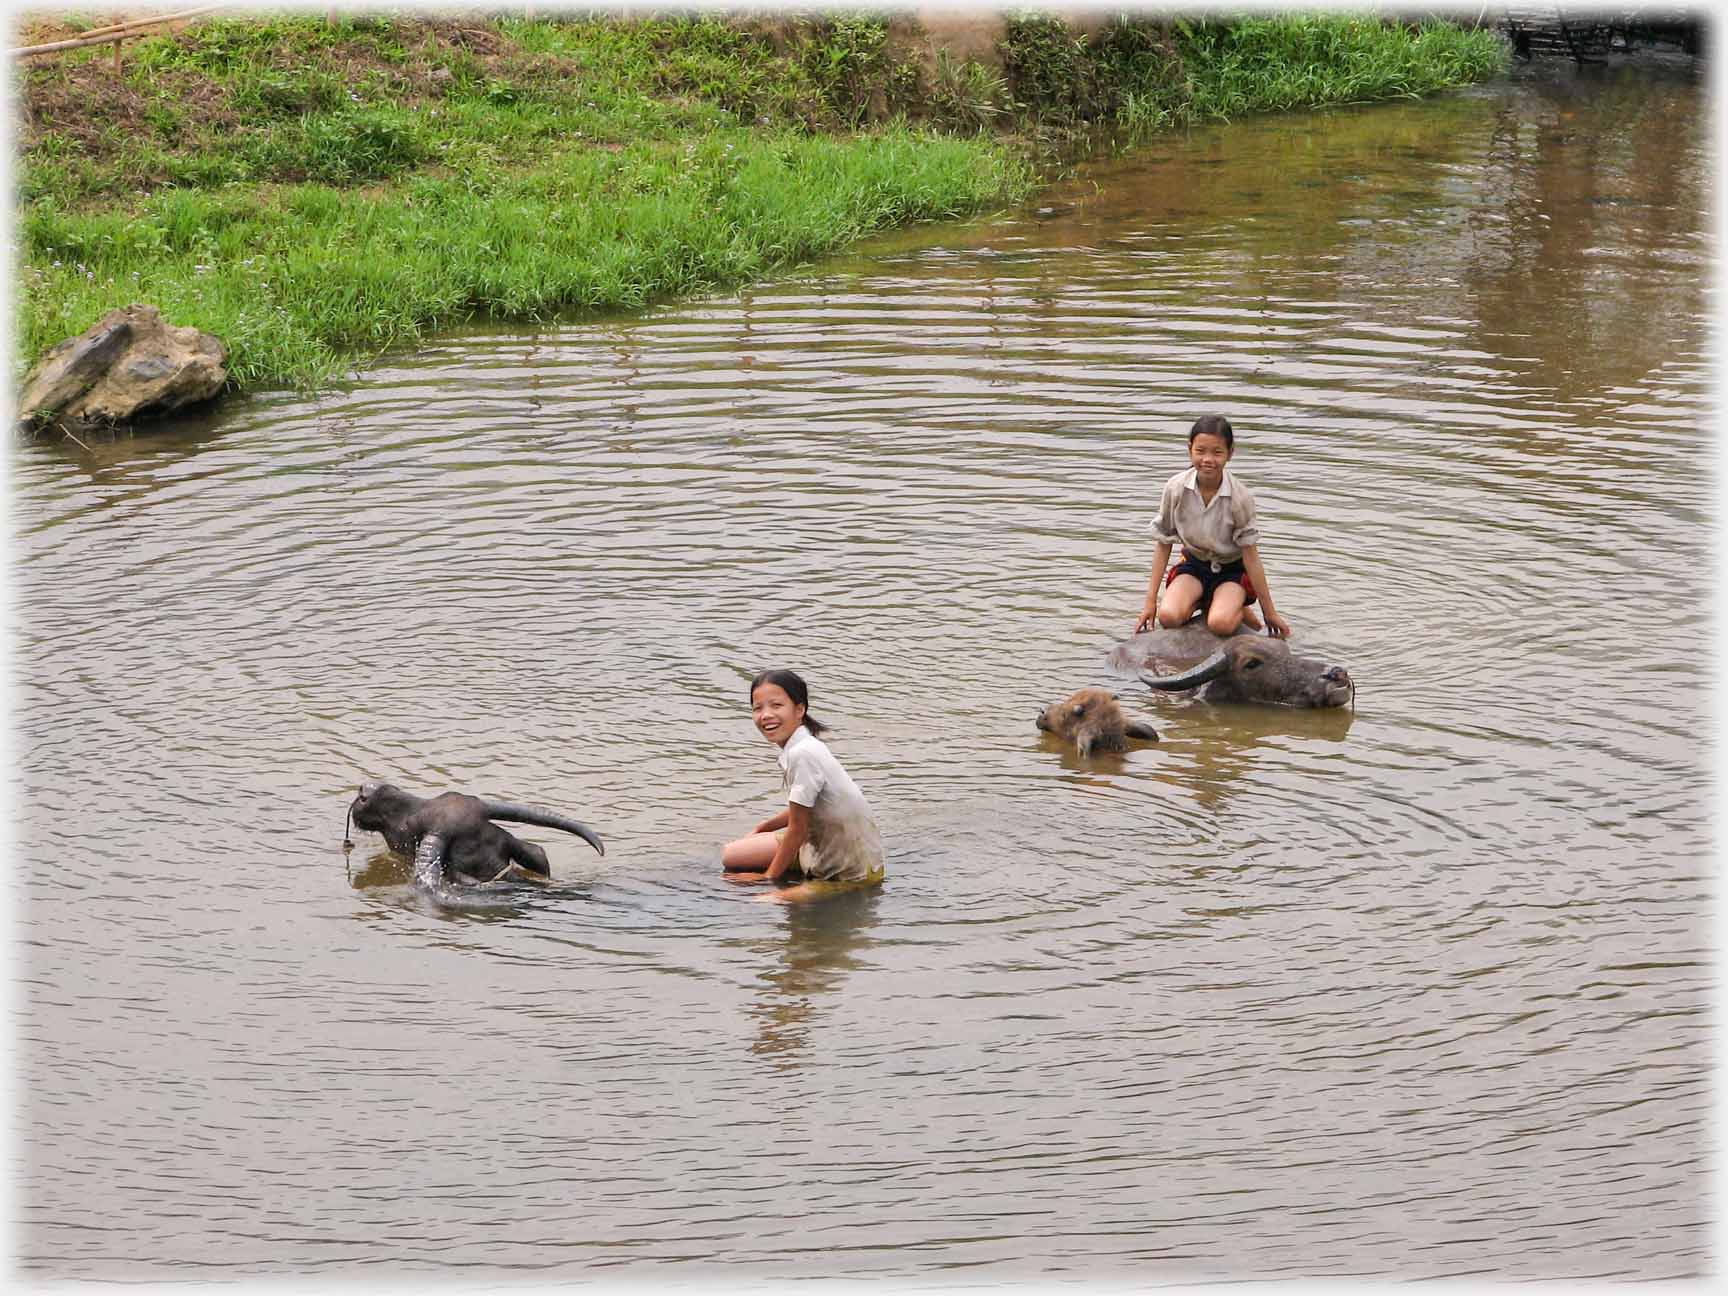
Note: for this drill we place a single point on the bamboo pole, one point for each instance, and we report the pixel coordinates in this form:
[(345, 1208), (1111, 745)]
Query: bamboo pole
[(128, 23), (115, 34), (80, 43)]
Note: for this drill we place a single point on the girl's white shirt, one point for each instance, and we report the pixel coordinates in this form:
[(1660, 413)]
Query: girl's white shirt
[(844, 844)]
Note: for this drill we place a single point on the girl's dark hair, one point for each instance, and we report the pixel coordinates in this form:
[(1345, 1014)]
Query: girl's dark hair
[(796, 689), (1217, 425)]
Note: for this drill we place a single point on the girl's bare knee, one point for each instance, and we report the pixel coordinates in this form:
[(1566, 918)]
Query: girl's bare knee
[(1221, 622), (749, 854), (1170, 618)]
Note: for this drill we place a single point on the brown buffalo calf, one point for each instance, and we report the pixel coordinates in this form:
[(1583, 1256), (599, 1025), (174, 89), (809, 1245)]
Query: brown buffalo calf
[(1092, 720)]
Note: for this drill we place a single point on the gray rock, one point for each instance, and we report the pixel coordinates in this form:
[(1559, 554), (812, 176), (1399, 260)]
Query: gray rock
[(130, 364)]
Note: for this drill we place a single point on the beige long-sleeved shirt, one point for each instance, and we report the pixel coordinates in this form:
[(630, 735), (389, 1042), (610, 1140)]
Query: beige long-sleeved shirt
[(1212, 532)]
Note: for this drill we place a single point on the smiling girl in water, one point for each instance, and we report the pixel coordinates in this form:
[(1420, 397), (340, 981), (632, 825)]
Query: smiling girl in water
[(826, 830), (1211, 512)]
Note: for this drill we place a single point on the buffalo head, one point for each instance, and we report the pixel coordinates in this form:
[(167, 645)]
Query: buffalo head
[(1251, 668), (385, 808), (1092, 720)]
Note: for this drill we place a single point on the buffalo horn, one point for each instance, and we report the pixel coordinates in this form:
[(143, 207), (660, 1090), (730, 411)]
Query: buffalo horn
[(1193, 677), (513, 813)]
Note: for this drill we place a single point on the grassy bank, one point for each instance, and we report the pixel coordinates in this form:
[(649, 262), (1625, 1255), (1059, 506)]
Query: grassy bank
[(314, 192), (298, 278), (1180, 72)]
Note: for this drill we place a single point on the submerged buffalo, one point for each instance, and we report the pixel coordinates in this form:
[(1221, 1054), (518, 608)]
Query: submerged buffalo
[(1092, 720), (1243, 667), (452, 836)]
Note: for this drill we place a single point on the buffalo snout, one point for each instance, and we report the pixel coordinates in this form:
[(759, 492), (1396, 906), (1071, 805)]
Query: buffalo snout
[(1338, 686)]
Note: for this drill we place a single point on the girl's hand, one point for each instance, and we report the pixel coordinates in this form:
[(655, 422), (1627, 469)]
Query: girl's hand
[(797, 825), (1276, 626), (767, 825), (1148, 620)]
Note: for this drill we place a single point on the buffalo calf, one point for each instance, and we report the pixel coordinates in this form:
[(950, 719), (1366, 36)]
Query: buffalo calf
[(1092, 720)]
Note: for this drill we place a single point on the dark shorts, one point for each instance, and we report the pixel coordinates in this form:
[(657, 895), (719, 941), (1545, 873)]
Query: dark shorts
[(1210, 580)]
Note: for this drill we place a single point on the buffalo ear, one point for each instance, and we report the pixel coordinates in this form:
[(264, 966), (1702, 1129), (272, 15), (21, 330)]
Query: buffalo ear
[(1079, 709)]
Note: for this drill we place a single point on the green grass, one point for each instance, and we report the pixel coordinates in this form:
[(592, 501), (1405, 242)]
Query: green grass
[(1277, 63), (315, 192), (1160, 72), (294, 97), (300, 279)]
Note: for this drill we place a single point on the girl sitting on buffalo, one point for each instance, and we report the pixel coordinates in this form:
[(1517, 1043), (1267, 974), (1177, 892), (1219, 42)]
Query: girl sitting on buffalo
[(1211, 512)]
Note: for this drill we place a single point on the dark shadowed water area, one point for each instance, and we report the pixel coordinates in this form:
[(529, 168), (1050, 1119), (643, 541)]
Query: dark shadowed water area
[(1420, 990)]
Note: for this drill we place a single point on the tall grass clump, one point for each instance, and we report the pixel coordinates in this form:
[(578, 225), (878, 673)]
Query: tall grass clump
[(1058, 78), (1277, 62)]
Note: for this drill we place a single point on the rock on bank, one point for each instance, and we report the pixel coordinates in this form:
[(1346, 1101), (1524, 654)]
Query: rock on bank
[(130, 364)]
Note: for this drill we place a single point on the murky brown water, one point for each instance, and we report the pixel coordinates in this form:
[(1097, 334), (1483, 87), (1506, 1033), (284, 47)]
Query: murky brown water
[(1420, 991)]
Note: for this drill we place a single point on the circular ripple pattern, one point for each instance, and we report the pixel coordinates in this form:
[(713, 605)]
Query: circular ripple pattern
[(1418, 990)]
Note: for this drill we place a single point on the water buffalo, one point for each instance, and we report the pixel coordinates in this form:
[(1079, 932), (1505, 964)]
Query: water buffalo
[(1092, 720), (452, 836), (1243, 667)]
